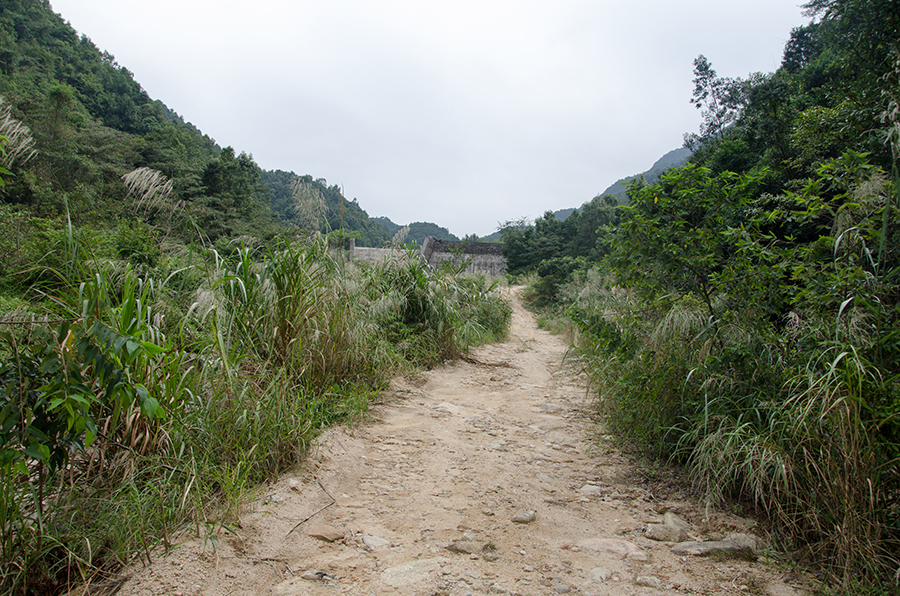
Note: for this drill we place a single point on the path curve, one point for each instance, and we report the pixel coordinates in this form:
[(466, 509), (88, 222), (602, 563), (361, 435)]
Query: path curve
[(436, 495)]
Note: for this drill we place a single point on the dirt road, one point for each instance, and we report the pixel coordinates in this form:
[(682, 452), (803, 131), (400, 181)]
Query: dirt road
[(478, 478)]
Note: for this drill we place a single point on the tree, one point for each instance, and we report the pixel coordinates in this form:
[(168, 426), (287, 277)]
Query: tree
[(801, 48), (231, 181), (865, 30), (589, 234), (718, 99)]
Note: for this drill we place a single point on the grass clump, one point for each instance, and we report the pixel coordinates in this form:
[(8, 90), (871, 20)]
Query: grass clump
[(757, 344), (139, 399)]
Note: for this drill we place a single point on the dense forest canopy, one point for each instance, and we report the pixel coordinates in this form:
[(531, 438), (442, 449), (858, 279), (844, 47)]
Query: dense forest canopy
[(416, 232)]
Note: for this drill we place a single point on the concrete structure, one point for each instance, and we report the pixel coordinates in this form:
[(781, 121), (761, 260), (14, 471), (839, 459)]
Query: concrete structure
[(482, 257), (375, 256)]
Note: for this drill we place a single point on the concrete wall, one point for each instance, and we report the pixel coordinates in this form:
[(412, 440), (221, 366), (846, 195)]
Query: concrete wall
[(374, 256), (484, 257)]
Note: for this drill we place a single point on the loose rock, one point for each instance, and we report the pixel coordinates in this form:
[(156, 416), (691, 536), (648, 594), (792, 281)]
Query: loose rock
[(324, 532), (315, 575), (448, 408), (524, 516), (592, 490), (672, 519), (666, 533), (619, 549), (733, 544), (599, 575), (648, 581), (466, 547), (414, 572), (375, 542)]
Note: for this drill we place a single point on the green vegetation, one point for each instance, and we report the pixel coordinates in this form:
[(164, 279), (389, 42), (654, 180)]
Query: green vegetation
[(296, 198), (556, 249), (137, 399), (417, 231), (91, 124), (171, 332), (741, 315)]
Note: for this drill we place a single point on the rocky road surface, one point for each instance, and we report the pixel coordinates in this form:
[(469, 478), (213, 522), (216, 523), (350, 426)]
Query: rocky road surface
[(483, 476)]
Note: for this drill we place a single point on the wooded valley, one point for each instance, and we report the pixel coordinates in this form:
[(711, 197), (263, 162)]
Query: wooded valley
[(174, 326)]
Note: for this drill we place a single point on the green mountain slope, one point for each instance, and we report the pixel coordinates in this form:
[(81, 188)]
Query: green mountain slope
[(418, 230), (673, 159), (92, 123), (337, 213)]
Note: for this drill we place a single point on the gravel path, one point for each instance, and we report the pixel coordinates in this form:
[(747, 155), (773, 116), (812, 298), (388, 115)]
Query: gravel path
[(479, 477)]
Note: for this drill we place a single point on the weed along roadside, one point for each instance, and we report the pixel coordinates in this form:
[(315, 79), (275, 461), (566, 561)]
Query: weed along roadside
[(139, 411), (481, 475)]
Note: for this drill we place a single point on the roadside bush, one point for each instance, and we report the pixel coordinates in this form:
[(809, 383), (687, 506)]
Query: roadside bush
[(137, 242), (127, 414), (767, 362)]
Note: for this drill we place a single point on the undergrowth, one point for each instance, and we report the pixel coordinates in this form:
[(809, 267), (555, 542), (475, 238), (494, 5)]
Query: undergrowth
[(141, 399), (767, 364)]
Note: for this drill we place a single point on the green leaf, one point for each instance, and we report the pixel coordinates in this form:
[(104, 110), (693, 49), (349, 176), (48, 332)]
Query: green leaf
[(38, 451), (150, 407), (151, 348), (132, 346)]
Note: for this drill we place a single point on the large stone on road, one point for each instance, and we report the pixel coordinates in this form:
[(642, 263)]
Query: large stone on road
[(620, 549), (733, 544)]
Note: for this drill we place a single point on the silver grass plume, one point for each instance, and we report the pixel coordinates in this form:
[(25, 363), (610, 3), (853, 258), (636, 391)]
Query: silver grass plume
[(19, 142), (891, 117), (307, 203), (400, 236), (151, 189)]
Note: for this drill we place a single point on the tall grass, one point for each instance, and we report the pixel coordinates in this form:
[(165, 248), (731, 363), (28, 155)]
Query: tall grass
[(802, 426), (142, 404), (18, 143)]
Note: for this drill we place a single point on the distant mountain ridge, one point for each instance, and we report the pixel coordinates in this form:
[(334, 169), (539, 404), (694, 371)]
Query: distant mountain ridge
[(418, 230), (673, 159)]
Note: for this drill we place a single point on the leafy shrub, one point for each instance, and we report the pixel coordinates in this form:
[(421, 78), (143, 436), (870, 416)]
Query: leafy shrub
[(137, 242), (766, 361)]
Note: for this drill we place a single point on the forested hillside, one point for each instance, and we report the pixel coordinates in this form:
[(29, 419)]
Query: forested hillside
[(742, 315), (172, 333), (92, 123), (312, 204), (673, 159), (416, 232)]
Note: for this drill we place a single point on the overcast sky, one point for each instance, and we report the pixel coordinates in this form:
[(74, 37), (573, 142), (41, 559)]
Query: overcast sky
[(464, 113)]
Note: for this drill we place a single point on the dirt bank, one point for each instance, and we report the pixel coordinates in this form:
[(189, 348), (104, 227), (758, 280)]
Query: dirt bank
[(491, 458)]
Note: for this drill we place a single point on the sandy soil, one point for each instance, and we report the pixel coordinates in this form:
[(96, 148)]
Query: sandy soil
[(449, 460)]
